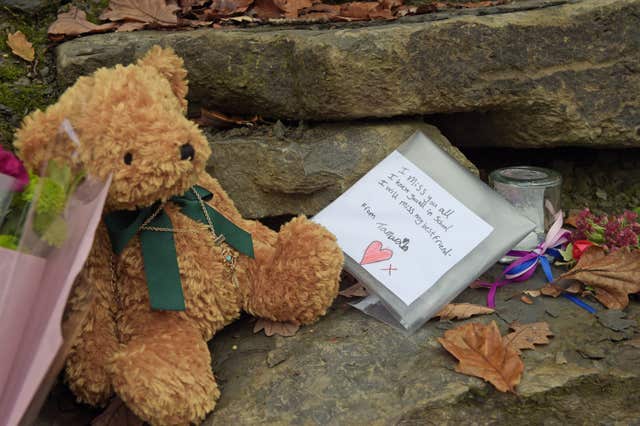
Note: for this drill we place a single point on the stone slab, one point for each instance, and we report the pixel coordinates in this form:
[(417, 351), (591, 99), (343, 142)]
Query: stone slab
[(562, 75), (275, 170)]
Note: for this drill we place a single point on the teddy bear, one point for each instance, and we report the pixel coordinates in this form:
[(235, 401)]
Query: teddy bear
[(173, 261)]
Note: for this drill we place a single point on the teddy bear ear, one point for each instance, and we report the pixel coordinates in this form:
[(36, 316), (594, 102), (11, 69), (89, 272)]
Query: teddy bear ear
[(171, 66), (40, 138)]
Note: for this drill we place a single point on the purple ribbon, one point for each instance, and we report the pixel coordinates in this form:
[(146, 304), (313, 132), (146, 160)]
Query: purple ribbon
[(527, 262)]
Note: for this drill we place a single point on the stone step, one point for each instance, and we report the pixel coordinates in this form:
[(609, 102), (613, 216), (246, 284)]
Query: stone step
[(350, 369), (274, 170), (560, 75)]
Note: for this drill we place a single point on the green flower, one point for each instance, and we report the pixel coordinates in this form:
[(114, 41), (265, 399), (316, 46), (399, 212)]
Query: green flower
[(9, 241)]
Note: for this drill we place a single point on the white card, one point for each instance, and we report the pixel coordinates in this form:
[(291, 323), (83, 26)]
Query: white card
[(403, 227)]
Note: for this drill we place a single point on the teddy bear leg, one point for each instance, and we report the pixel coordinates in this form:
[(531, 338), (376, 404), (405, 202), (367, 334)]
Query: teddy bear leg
[(85, 367), (301, 280), (163, 373)]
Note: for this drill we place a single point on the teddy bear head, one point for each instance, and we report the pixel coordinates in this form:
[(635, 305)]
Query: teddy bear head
[(130, 122)]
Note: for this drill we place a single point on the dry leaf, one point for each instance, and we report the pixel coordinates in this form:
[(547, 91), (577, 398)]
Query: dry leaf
[(270, 328), (20, 46), (476, 284), (128, 26), (527, 300), (223, 8), (482, 353), (362, 10), (572, 218), (551, 290), (74, 22), (406, 10), (476, 4), (574, 288), (266, 9), (292, 8), (117, 414), (524, 336), (356, 290), (462, 311), (532, 293), (329, 10), (187, 5), (221, 121), (159, 12), (613, 276)]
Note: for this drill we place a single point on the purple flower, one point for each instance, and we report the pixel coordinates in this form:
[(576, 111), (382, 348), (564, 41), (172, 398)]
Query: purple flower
[(10, 165), (612, 232)]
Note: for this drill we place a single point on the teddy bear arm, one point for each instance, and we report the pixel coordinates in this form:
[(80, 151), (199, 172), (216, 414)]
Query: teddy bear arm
[(97, 341), (163, 373)]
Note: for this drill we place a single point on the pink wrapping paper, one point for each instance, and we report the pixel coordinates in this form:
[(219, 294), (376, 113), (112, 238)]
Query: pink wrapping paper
[(32, 302)]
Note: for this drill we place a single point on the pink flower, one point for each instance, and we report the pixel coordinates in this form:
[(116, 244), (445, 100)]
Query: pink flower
[(10, 165)]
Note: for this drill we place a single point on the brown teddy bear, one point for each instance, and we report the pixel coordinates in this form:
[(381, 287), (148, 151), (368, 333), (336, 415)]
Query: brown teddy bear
[(173, 261)]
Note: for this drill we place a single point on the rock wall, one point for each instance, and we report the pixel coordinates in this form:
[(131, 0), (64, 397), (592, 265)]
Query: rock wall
[(274, 170), (553, 76)]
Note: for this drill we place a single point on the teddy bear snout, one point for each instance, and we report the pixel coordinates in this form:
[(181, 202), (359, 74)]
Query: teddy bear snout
[(187, 152)]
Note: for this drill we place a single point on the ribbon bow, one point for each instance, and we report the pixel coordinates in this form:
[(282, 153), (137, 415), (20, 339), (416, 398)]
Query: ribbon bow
[(527, 262), (158, 247)]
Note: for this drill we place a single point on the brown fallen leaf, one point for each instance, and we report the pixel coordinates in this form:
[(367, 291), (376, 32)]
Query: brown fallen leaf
[(532, 293), (364, 10), (526, 299), (219, 120), (285, 329), (476, 4), (572, 218), (292, 8), (224, 8), (613, 276), (128, 26), (187, 5), (20, 46), (117, 414), (574, 288), (356, 290), (330, 9), (74, 22), (482, 353), (476, 284), (265, 9), (406, 10), (157, 12), (524, 336), (462, 311), (551, 290)]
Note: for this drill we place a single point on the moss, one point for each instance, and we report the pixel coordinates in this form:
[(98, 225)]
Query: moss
[(21, 100), (11, 71), (24, 99)]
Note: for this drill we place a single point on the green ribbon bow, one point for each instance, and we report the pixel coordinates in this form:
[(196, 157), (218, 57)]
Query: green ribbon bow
[(158, 248)]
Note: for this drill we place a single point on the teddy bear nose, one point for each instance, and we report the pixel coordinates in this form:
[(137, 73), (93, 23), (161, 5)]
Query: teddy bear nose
[(187, 152)]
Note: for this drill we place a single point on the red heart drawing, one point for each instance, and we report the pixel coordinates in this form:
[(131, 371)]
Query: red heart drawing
[(375, 253)]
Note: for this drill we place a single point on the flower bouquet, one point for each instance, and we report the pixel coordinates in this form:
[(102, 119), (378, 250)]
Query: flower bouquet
[(48, 218)]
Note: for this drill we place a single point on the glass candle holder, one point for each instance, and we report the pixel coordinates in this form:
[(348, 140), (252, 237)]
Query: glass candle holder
[(534, 192)]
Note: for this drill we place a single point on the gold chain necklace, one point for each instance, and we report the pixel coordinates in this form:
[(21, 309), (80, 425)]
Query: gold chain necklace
[(229, 255)]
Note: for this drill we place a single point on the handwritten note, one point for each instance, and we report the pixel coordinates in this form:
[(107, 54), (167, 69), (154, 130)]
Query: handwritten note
[(403, 227)]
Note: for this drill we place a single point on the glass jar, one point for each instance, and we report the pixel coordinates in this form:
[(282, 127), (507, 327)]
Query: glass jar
[(534, 192)]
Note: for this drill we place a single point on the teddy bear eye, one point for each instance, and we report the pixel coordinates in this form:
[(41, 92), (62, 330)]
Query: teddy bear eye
[(128, 158)]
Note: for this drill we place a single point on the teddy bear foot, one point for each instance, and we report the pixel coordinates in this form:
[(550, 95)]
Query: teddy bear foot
[(165, 376)]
